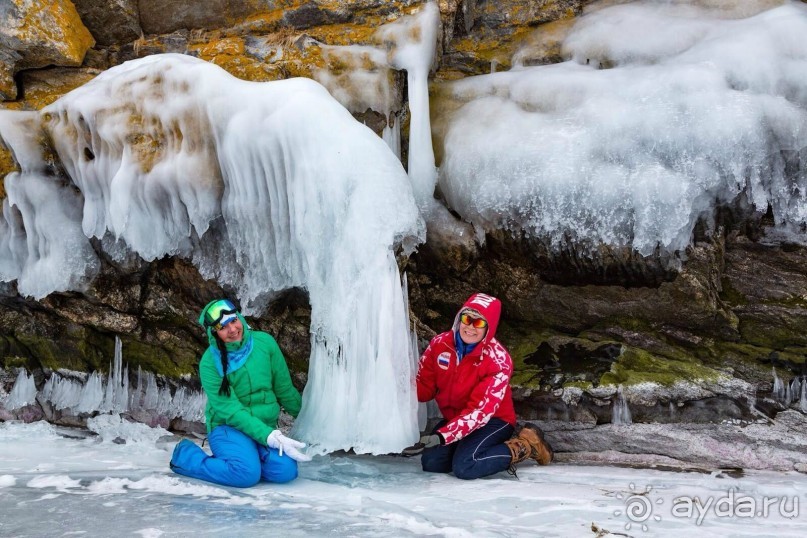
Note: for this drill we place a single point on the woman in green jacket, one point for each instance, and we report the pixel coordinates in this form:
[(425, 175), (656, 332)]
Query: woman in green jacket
[(246, 380)]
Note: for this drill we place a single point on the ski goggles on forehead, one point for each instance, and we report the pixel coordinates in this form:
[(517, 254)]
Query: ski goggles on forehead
[(476, 323), (220, 314)]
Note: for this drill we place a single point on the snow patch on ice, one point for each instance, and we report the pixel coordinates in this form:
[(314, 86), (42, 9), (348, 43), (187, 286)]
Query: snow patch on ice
[(111, 427), (175, 485), (60, 482)]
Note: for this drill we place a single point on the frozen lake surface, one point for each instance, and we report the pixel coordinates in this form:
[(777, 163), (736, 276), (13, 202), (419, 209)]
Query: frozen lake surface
[(62, 482)]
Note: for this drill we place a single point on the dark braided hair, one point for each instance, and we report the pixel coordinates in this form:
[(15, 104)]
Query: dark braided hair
[(224, 389)]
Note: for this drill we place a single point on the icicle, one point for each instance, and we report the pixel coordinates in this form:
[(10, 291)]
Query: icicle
[(136, 395), (305, 232), (92, 395), (106, 404), (23, 393), (112, 396), (116, 396), (62, 393), (152, 393), (795, 390), (123, 400), (778, 392), (194, 407), (47, 390), (164, 402), (178, 402), (803, 398), (620, 413), (392, 134), (416, 56)]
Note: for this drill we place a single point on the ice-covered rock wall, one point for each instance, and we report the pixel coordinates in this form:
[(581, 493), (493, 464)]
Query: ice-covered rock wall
[(78, 393), (266, 186), (664, 111), (415, 55), (361, 79), (660, 112)]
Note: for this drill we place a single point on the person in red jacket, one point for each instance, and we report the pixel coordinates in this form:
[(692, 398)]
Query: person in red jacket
[(467, 372)]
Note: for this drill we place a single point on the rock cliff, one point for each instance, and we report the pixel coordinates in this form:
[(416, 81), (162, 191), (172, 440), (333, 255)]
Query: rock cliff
[(694, 341)]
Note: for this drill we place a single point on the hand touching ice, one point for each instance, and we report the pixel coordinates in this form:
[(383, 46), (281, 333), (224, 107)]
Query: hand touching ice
[(288, 445), (426, 441)]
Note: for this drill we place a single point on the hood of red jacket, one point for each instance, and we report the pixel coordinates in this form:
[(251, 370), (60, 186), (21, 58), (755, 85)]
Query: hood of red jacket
[(489, 307)]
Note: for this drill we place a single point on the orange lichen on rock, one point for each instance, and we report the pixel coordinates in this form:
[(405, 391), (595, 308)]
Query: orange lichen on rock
[(483, 52), (230, 54), (343, 34), (57, 24), (268, 22), (232, 46), (145, 140), (7, 165), (44, 86), (544, 44)]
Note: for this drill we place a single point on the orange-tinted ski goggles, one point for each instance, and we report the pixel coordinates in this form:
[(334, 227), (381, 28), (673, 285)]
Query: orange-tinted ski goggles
[(476, 323)]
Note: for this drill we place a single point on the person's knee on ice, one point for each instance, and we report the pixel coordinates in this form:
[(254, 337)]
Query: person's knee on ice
[(464, 469), (286, 473), (436, 460), (244, 474), (278, 469)]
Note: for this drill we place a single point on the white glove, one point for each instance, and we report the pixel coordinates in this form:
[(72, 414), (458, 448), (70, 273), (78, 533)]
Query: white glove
[(282, 444)]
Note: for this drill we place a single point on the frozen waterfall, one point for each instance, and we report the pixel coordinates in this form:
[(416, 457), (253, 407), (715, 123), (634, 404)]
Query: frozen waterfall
[(265, 186)]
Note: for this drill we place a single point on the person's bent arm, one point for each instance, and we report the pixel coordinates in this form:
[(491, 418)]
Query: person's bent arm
[(228, 409), (285, 391), (484, 400)]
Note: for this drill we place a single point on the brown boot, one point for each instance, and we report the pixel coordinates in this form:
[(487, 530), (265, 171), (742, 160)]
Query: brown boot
[(540, 450), (519, 450)]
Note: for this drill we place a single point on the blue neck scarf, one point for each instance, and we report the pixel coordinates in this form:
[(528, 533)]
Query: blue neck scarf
[(462, 348)]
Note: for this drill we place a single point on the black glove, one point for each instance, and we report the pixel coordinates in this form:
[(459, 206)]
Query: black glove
[(432, 440), (426, 441)]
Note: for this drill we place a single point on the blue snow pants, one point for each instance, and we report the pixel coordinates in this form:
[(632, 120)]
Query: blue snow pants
[(237, 460), (480, 453)]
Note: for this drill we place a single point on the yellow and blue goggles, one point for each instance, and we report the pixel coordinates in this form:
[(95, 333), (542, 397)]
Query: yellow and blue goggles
[(218, 314)]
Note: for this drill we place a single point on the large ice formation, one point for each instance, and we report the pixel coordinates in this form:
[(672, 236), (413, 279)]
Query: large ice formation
[(265, 186), (664, 111)]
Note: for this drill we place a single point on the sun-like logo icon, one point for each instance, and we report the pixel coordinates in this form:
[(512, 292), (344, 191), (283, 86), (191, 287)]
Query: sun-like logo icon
[(638, 507)]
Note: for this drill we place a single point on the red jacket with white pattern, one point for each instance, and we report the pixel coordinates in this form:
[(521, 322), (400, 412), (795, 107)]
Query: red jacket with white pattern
[(471, 391)]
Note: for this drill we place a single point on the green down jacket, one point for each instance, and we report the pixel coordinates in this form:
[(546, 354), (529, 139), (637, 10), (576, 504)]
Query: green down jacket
[(257, 390)]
